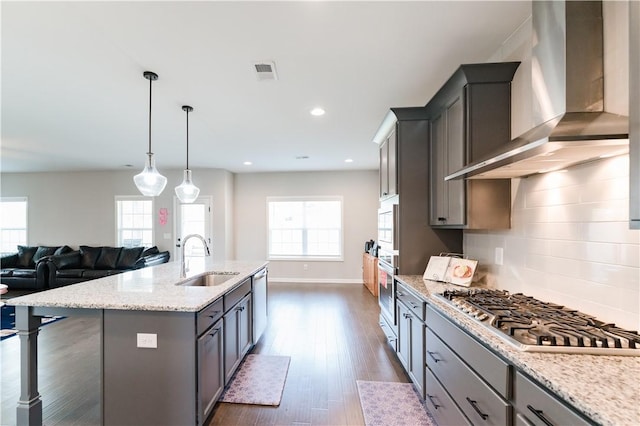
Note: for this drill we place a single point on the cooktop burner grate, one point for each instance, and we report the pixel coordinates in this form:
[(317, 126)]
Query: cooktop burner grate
[(533, 325)]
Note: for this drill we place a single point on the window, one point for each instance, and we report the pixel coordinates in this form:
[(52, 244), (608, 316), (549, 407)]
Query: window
[(134, 222), (13, 224), (303, 228)]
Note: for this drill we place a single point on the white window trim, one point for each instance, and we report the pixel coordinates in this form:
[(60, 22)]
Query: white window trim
[(134, 198), (25, 199), (339, 258)]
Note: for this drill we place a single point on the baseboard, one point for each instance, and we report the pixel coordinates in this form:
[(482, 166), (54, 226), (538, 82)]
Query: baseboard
[(316, 280)]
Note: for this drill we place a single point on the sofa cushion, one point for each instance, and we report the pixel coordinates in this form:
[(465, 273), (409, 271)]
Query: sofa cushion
[(63, 250), (24, 273), (128, 257), (69, 260), (6, 272), (108, 258), (150, 251), (25, 256), (43, 251), (88, 256), (69, 273)]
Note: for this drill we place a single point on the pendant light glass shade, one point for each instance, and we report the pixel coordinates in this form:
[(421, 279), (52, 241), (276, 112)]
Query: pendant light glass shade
[(187, 192), (150, 182)]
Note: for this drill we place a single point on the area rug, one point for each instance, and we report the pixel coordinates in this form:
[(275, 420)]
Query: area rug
[(8, 321), (259, 380), (391, 404)]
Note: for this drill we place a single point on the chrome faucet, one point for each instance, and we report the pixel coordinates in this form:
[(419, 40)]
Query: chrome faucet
[(183, 269)]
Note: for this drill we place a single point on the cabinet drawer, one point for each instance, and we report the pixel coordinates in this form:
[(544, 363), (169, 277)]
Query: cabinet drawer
[(233, 297), (440, 404), (389, 333), (414, 303), (494, 370), (208, 316), (540, 406), (476, 399)]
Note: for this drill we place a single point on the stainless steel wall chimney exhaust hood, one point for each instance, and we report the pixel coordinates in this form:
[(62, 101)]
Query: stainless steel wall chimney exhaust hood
[(568, 95)]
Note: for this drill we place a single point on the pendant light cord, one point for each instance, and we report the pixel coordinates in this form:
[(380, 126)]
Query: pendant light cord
[(187, 139), (150, 82)]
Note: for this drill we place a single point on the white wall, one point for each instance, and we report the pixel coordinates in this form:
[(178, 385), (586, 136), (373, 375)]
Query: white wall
[(79, 207), (359, 190), (569, 242)]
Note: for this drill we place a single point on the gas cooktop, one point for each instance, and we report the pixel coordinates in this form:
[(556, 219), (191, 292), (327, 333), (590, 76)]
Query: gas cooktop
[(536, 326)]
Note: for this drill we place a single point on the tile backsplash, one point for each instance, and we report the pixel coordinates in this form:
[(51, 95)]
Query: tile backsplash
[(569, 242)]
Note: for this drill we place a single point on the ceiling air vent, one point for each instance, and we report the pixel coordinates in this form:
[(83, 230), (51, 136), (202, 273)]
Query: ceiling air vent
[(265, 70)]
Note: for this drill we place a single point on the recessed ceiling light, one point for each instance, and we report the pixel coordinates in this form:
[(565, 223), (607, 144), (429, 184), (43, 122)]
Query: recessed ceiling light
[(302, 157), (348, 160), (247, 163), (317, 111)]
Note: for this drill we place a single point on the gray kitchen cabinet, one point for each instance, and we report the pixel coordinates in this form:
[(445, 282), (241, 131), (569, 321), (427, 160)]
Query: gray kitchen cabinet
[(210, 369), (485, 388), (440, 404), (388, 164), (539, 407), (469, 117), (447, 144), (237, 330), (404, 152), (260, 308), (479, 402), (410, 312)]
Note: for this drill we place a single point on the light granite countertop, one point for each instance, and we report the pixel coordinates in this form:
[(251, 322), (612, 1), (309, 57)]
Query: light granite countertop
[(147, 289), (605, 388)]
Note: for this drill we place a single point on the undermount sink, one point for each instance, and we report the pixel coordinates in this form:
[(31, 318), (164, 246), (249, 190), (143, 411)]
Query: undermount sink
[(210, 279)]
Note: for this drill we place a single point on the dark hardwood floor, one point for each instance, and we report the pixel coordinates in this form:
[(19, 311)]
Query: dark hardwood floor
[(330, 331)]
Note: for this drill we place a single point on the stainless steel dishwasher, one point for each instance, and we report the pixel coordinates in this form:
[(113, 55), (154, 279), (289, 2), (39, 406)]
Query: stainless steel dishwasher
[(260, 309)]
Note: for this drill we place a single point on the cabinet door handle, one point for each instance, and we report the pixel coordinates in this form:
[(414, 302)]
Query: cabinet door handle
[(399, 293), (442, 219), (240, 308), (539, 414), (436, 406), (407, 316), (215, 314), (215, 331), (413, 305), (474, 404), (431, 354)]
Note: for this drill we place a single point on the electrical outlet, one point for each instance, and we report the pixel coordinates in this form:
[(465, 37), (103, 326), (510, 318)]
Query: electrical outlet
[(499, 256), (147, 340), (305, 267)]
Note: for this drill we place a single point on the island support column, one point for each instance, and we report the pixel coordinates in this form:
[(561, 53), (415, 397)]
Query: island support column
[(29, 411)]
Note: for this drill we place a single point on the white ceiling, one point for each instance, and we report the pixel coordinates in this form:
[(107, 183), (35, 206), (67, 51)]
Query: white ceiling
[(74, 98)]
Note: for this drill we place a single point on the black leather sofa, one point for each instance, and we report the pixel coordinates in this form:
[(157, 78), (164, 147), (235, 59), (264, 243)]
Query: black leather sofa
[(27, 269), (41, 268), (89, 263)]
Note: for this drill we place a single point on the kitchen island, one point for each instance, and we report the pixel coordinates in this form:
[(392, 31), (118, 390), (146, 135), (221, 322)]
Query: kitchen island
[(156, 337), (603, 388)]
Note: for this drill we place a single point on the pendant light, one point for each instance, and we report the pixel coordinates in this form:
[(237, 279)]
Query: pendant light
[(150, 182), (187, 192)]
